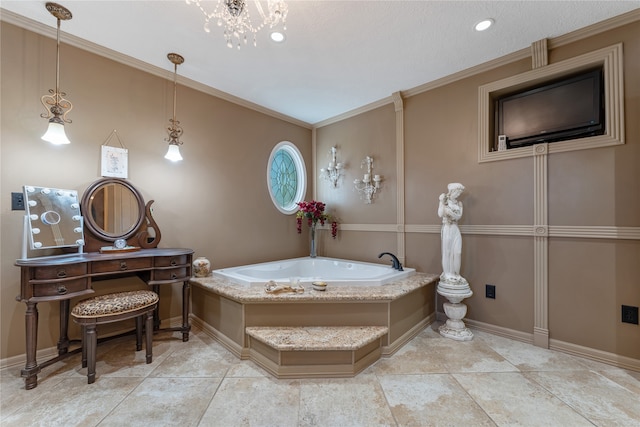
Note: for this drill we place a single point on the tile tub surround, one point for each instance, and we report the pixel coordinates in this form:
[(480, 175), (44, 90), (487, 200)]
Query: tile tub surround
[(226, 309)]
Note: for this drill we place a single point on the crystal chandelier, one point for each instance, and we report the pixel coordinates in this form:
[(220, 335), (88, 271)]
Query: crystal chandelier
[(233, 15)]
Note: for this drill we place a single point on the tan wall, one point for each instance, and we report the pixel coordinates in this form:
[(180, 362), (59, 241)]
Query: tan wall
[(588, 279), (215, 201)]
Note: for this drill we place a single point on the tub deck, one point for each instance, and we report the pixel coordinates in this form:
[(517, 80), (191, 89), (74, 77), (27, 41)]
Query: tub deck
[(232, 313)]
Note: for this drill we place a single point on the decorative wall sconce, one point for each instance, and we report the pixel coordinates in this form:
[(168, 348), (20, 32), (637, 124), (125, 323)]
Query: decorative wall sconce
[(175, 131), (368, 187), (333, 172), (56, 105)]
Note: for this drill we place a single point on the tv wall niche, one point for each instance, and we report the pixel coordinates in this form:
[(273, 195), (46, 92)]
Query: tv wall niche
[(561, 110), (603, 67)]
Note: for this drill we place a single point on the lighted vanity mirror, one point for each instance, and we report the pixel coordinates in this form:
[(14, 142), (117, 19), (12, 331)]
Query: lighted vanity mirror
[(113, 209), (53, 217)]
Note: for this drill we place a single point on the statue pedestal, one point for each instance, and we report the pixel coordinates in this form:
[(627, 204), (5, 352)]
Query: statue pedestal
[(455, 289)]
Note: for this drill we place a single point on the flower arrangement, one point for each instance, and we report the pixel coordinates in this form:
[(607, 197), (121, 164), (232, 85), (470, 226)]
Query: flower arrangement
[(313, 211)]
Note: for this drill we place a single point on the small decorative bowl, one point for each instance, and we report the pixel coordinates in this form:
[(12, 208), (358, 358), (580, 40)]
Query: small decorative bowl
[(319, 286)]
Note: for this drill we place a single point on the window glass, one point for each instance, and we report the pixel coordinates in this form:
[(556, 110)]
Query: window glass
[(286, 177)]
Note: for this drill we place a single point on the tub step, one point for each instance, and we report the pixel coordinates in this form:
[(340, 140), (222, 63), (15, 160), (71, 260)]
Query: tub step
[(315, 351)]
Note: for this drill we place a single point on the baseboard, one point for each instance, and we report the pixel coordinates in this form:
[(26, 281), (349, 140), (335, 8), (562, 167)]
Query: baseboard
[(390, 349), (233, 347), (499, 331), (612, 359), (51, 352), (597, 355)]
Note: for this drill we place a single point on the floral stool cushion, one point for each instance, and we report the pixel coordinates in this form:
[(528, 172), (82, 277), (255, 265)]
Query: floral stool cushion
[(112, 304)]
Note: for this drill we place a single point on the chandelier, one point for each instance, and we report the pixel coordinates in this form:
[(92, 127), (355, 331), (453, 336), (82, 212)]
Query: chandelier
[(233, 15)]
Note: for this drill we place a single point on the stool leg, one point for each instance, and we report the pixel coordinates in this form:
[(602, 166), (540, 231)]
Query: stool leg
[(139, 333), (149, 336), (92, 341), (84, 346)]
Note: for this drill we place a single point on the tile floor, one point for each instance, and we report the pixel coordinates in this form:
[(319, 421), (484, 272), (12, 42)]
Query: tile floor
[(431, 381)]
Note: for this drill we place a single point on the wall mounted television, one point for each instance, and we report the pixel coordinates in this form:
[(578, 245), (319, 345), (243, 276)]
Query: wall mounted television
[(568, 108)]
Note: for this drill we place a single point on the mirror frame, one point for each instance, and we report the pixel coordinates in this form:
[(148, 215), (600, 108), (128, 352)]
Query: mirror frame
[(89, 221)]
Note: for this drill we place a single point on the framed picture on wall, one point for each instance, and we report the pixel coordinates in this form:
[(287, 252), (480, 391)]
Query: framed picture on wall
[(114, 162)]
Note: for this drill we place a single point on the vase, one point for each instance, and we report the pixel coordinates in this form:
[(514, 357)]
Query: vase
[(312, 230), (201, 267)]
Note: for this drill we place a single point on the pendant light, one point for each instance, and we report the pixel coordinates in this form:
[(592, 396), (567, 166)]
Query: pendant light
[(56, 105), (174, 130)]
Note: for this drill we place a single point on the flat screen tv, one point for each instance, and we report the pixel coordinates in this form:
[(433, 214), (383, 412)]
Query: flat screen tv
[(570, 108)]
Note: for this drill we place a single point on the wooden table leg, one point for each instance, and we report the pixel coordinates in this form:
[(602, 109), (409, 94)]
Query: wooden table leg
[(31, 369), (63, 342), (186, 327), (156, 312)]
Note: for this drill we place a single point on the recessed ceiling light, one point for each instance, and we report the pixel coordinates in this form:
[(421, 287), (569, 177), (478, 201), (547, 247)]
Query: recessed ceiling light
[(483, 25), (277, 36)]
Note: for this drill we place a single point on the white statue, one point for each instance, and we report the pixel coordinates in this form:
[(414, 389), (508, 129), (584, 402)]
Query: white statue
[(450, 210), (452, 285)]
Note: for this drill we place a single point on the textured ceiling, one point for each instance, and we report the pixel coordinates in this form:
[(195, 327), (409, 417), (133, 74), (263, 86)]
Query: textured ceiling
[(338, 55)]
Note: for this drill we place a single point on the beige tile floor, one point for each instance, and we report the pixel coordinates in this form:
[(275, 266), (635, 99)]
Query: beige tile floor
[(431, 381)]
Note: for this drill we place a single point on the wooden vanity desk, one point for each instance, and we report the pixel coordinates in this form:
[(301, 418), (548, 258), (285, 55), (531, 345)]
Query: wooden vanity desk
[(60, 278), (120, 240)]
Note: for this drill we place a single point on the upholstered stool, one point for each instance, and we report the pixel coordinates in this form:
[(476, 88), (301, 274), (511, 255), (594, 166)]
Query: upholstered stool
[(113, 308)]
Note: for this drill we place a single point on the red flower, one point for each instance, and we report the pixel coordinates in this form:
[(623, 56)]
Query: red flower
[(313, 211)]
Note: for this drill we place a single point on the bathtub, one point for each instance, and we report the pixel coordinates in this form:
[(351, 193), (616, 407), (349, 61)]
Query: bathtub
[(335, 272)]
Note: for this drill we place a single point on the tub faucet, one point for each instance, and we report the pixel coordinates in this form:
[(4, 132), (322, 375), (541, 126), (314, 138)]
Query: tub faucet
[(394, 260)]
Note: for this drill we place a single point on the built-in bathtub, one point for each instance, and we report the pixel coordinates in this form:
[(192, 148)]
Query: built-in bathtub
[(232, 303), (335, 272)]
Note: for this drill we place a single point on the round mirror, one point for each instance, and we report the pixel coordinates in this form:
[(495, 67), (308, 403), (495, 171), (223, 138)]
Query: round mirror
[(113, 209)]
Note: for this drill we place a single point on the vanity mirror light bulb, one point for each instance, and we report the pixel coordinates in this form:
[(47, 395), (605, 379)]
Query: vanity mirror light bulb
[(45, 191), (30, 189), (33, 217), (78, 230), (74, 206), (37, 244), (35, 230), (76, 217), (32, 203), (59, 193), (80, 242)]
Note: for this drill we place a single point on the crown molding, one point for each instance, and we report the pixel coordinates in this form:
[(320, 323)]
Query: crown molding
[(518, 55), (71, 40)]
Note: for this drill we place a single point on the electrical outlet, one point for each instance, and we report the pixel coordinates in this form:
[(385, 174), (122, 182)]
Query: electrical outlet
[(629, 314), (490, 291), (17, 201)]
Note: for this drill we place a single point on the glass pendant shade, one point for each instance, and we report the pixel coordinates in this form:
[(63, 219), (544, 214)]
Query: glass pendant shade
[(55, 134), (173, 153)]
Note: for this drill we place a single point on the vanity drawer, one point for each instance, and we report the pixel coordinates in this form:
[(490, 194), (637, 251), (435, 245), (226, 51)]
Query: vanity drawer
[(170, 274), (119, 265), (60, 271), (171, 261), (65, 287)]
